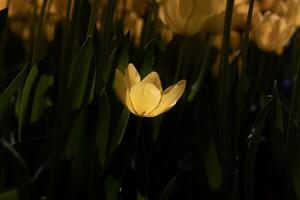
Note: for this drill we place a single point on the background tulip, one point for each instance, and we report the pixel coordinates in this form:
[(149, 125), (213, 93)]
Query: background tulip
[(187, 16)]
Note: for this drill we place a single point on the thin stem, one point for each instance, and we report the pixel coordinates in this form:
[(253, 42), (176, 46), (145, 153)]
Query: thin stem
[(224, 133)]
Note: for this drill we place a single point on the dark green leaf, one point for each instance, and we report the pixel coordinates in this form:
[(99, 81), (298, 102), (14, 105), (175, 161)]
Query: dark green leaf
[(253, 142), (213, 168), (112, 188), (148, 60), (118, 58), (40, 101), (26, 94), (9, 195), (118, 134), (20, 170), (77, 134), (204, 68), (11, 90), (123, 60), (79, 73), (102, 126)]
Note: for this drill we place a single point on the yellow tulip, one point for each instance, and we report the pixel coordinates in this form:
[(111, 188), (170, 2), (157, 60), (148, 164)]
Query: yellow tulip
[(272, 32), (189, 16), (146, 98), (3, 4)]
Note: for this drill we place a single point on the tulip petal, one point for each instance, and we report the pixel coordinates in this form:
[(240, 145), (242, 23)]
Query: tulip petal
[(131, 75), (153, 77), (120, 86), (169, 98), (144, 97), (185, 8), (3, 4), (129, 103), (173, 19)]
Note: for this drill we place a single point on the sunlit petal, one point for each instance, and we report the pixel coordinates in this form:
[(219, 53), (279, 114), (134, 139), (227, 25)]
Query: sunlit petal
[(131, 75), (169, 98), (3, 4), (153, 77), (120, 85), (129, 103), (144, 97)]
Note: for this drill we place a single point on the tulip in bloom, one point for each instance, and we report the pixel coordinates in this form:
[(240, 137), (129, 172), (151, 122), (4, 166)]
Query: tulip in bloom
[(145, 98)]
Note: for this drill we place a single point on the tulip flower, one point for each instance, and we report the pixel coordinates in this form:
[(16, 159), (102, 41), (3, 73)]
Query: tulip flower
[(3, 4), (272, 32), (188, 17), (146, 98)]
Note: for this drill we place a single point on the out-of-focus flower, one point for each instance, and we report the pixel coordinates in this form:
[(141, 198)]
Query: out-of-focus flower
[(146, 98), (21, 12), (289, 9), (235, 40), (25, 8), (137, 6), (188, 17), (3, 4), (265, 5), (271, 32), (134, 24), (166, 34), (216, 66)]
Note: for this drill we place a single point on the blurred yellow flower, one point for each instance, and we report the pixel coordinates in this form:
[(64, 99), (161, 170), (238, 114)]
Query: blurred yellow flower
[(272, 32), (145, 98), (189, 16), (3, 4)]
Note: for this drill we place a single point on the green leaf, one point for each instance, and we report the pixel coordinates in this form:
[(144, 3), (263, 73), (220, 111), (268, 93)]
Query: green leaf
[(11, 90), (124, 57), (107, 27), (104, 67), (79, 74), (102, 126), (76, 136), (213, 168), (25, 97), (148, 60), (156, 124), (118, 58), (112, 188), (93, 18), (253, 142), (277, 133), (20, 170), (295, 105), (118, 134), (40, 101), (204, 68), (149, 27), (9, 195), (169, 189)]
